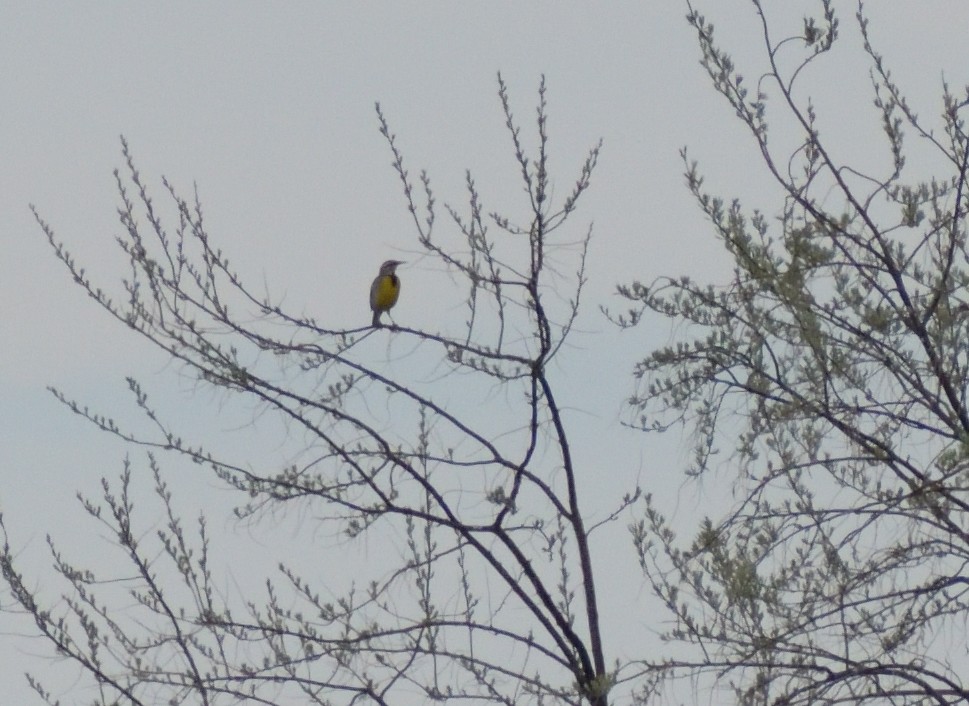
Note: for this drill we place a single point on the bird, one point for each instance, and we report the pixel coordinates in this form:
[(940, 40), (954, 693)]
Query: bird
[(384, 290)]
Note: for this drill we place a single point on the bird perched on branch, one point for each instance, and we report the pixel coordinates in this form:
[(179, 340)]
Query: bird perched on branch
[(385, 289)]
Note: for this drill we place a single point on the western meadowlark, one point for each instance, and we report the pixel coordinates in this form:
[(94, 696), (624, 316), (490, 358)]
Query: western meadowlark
[(385, 289)]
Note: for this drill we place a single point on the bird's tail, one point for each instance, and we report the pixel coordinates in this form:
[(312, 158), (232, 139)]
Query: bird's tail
[(376, 318)]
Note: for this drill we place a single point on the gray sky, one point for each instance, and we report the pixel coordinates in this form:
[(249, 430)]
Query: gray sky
[(269, 109)]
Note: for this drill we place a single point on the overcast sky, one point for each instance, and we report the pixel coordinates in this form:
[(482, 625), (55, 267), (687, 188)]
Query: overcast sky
[(269, 109)]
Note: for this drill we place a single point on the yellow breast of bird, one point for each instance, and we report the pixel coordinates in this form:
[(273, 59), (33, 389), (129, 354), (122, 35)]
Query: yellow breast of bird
[(387, 291)]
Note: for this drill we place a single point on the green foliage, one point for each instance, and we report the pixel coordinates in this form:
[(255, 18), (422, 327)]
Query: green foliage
[(828, 379)]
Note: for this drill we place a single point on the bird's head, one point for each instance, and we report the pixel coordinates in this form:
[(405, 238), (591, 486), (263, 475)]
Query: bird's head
[(390, 266)]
